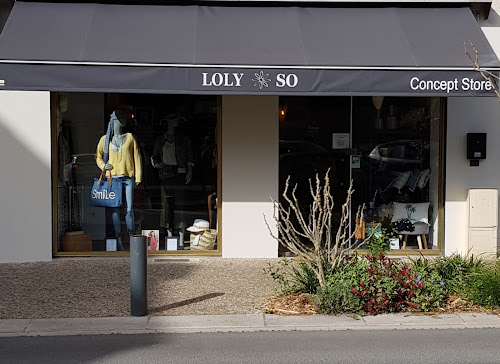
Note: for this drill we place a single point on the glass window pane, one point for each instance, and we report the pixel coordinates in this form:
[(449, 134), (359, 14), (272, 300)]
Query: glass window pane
[(390, 148), (162, 159), (397, 141)]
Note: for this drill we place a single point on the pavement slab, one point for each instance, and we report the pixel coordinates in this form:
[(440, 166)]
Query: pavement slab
[(13, 325), (87, 324), (274, 321), (211, 322), (405, 319), (480, 319)]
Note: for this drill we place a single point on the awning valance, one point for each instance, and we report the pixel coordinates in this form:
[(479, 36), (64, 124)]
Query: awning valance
[(242, 50)]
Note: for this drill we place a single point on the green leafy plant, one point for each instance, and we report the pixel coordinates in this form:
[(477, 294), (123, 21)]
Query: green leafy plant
[(305, 280), (292, 277), (421, 265), (336, 297), (454, 271), (378, 241), (281, 275), (432, 295), (483, 286)]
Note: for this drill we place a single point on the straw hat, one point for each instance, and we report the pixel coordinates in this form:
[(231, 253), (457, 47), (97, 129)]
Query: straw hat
[(199, 225)]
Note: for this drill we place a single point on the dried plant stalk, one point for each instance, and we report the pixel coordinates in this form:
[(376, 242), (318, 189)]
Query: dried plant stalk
[(322, 245)]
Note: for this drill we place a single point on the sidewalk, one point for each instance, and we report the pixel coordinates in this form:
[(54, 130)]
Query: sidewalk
[(239, 323), (83, 296)]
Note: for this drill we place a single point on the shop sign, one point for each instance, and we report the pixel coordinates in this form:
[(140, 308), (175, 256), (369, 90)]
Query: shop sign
[(260, 79), (465, 84), (235, 80)]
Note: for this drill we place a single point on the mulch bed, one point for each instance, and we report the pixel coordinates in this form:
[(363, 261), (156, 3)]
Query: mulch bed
[(298, 304), (295, 304)]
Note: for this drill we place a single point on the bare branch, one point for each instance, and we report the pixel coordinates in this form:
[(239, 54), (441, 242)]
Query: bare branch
[(311, 238), (487, 75)]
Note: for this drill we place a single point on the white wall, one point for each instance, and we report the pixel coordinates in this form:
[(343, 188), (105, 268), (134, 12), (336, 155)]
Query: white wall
[(25, 178), (250, 132), (491, 27), (468, 115)]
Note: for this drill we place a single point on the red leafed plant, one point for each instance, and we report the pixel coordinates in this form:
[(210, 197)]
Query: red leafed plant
[(385, 286)]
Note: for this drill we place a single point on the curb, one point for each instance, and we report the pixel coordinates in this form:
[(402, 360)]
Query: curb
[(240, 323)]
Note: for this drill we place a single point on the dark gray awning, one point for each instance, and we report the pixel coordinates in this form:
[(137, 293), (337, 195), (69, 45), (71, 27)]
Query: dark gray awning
[(243, 50)]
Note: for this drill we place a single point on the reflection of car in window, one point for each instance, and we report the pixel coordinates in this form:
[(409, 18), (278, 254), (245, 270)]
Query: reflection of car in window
[(402, 152), (302, 159), (297, 148)]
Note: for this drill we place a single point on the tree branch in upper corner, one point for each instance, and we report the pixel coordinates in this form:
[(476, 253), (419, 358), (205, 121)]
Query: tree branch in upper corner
[(487, 75)]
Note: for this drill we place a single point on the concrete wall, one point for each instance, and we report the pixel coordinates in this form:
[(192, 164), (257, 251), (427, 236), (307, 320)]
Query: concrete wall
[(25, 178), (468, 115), (250, 133)]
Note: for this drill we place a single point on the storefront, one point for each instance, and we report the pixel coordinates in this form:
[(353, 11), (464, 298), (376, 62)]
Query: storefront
[(209, 123)]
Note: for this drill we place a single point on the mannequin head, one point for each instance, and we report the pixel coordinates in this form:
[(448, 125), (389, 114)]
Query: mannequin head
[(170, 123)]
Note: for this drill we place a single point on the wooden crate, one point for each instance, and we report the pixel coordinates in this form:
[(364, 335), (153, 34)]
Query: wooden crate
[(76, 243)]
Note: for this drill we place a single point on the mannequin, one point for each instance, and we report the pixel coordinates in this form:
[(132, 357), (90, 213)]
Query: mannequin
[(125, 164), (173, 157)]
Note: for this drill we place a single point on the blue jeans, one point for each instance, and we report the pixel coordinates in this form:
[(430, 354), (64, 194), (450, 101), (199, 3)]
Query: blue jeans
[(128, 202)]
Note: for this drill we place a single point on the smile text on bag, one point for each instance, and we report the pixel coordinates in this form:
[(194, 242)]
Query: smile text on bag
[(103, 195)]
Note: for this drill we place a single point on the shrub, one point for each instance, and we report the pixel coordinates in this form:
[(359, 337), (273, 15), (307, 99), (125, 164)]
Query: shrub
[(378, 241), (308, 232), (386, 286), (292, 277), (336, 296), (305, 279), (432, 294), (281, 275), (483, 286), (454, 271), (372, 284)]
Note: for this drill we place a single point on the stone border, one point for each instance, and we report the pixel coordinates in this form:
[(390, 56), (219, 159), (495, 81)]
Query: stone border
[(240, 323)]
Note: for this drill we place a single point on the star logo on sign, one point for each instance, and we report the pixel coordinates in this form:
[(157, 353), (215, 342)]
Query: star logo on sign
[(261, 79)]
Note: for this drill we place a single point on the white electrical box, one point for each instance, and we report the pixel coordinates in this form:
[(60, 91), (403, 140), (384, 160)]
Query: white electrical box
[(482, 221)]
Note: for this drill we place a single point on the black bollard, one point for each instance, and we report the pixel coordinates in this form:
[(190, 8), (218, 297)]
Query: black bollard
[(138, 275)]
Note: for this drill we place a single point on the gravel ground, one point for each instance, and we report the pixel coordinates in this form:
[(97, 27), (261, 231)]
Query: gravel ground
[(98, 287)]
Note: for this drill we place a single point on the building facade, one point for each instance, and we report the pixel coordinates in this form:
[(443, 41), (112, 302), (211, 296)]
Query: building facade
[(214, 106)]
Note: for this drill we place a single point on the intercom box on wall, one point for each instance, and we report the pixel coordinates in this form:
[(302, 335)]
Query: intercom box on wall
[(476, 145)]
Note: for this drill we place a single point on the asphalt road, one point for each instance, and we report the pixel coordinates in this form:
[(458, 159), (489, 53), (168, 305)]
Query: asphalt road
[(480, 346)]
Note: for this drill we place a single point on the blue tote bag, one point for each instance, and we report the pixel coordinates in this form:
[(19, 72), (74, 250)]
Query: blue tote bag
[(106, 192)]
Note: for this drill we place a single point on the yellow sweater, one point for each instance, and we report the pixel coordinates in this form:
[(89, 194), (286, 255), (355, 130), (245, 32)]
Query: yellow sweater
[(126, 162)]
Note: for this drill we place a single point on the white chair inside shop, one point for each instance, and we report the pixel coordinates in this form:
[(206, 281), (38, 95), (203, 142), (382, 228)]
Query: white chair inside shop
[(418, 214)]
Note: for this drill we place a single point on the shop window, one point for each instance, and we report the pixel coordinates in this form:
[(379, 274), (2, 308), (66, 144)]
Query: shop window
[(397, 140), (389, 147), (162, 159)]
